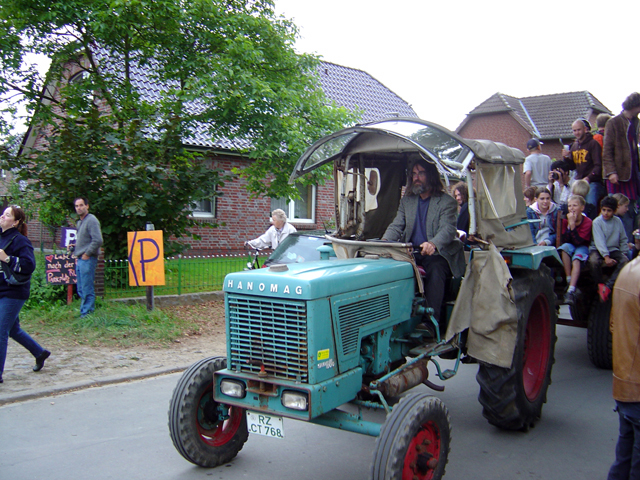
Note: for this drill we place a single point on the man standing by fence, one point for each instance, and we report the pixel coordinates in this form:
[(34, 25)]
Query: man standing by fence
[(88, 243)]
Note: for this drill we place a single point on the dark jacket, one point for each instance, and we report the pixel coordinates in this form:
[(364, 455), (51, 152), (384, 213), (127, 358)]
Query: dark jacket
[(440, 228), (22, 261), (463, 218), (587, 158), (616, 153)]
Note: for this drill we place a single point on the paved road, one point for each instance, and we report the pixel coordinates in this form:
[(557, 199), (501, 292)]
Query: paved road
[(120, 432)]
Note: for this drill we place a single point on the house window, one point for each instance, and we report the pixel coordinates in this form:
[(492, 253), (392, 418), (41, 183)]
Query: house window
[(205, 208), (300, 210)]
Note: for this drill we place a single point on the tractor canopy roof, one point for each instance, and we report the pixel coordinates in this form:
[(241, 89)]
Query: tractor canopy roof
[(371, 164)]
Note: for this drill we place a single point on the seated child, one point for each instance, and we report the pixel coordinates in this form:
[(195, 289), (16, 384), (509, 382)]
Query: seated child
[(623, 208), (576, 237), (544, 231), (581, 187), (609, 245)]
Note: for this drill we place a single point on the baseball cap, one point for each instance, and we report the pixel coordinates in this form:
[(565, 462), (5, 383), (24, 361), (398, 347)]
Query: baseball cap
[(533, 143)]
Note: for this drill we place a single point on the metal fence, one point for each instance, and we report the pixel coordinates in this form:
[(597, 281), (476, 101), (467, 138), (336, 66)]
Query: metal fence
[(182, 275)]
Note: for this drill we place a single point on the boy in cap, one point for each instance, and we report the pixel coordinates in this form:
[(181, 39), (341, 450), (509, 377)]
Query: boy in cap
[(536, 165)]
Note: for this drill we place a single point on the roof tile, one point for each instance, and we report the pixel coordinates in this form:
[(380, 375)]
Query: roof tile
[(545, 116)]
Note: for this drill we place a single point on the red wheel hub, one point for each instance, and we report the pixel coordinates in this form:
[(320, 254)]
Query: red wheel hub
[(212, 429), (423, 453), (536, 348)]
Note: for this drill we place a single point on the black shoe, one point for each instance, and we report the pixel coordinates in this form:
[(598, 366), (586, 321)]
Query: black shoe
[(570, 298), (1, 380), (40, 360)]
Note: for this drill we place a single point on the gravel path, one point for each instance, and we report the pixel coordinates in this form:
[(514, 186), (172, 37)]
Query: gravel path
[(72, 366)]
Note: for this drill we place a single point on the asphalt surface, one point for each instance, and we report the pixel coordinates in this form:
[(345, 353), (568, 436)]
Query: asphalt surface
[(120, 432), (90, 367)]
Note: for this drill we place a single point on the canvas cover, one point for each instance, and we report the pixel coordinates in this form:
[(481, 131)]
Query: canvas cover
[(486, 306), (500, 204)]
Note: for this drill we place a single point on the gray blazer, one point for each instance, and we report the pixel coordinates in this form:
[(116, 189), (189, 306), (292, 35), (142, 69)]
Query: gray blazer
[(441, 228)]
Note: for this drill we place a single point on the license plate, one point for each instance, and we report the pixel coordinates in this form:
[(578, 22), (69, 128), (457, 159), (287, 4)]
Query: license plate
[(263, 424)]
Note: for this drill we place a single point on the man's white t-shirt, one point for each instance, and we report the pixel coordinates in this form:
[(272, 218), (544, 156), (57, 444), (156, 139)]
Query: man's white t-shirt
[(539, 165)]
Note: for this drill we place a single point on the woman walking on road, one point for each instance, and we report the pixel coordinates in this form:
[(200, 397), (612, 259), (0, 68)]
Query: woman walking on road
[(16, 252)]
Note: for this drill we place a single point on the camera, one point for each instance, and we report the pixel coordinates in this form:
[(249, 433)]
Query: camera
[(555, 175)]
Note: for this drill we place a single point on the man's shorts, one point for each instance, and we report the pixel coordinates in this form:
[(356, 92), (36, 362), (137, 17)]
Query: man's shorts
[(576, 253)]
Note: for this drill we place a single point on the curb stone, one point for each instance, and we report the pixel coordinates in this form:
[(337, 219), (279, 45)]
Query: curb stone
[(85, 384)]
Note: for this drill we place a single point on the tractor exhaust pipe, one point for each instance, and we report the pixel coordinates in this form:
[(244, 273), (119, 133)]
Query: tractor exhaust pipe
[(404, 380)]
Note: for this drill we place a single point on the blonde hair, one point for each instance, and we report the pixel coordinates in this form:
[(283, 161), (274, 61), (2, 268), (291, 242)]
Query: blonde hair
[(578, 198), (279, 214), (622, 199), (580, 187)]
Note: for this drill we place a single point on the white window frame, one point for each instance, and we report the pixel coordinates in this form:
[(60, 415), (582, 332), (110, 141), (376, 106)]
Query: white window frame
[(203, 213), (291, 208)]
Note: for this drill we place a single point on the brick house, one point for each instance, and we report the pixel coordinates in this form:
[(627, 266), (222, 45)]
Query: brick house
[(513, 121), (246, 218)]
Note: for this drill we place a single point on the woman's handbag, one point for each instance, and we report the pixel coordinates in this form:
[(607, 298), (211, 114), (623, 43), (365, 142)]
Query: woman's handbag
[(13, 278)]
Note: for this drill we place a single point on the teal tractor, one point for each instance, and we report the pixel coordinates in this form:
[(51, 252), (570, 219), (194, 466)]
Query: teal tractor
[(326, 341)]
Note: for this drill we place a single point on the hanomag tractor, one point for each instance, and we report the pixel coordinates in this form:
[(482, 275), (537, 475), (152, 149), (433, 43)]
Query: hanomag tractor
[(353, 328)]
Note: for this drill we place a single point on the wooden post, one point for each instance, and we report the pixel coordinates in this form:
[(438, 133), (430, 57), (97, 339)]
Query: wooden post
[(150, 298)]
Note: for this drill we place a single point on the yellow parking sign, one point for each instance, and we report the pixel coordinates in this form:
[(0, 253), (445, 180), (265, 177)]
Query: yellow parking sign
[(146, 258)]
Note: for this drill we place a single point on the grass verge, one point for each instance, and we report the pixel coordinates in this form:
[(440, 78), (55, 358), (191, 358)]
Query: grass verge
[(112, 324)]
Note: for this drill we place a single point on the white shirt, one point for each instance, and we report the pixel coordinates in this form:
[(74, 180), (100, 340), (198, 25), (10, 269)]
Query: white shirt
[(539, 165), (272, 237)]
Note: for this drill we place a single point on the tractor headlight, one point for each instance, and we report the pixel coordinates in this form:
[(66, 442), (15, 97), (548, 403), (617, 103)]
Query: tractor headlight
[(233, 388), (295, 400)]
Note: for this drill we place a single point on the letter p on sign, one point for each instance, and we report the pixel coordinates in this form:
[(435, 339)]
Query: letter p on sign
[(146, 258)]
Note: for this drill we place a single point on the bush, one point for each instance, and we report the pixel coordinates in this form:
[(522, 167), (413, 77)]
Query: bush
[(43, 293)]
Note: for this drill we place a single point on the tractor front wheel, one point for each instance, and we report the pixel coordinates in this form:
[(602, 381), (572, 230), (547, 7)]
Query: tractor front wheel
[(414, 441), (204, 431)]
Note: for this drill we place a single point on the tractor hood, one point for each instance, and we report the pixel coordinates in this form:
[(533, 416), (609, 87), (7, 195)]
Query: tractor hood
[(308, 281)]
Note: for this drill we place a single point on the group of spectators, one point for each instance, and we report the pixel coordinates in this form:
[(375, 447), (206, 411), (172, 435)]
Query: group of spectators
[(599, 172), (580, 237)]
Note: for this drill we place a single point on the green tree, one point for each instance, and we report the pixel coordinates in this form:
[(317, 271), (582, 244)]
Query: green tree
[(227, 66)]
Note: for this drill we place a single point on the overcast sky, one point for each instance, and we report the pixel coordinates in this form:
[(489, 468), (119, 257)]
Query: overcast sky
[(446, 57)]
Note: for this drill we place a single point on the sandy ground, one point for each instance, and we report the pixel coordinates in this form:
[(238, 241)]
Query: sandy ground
[(72, 366)]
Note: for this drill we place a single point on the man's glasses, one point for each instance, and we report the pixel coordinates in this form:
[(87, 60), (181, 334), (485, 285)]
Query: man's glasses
[(421, 174)]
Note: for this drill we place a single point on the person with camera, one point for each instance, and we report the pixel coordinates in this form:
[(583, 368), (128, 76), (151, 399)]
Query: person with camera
[(16, 252), (560, 182)]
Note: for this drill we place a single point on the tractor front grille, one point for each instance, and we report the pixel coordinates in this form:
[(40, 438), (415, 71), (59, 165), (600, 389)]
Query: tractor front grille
[(269, 332)]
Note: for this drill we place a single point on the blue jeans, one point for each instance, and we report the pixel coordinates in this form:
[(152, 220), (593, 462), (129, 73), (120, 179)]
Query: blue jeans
[(10, 327), (85, 275), (627, 463), (596, 191)]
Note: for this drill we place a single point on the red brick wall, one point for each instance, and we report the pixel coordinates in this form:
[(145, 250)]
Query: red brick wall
[(246, 218), (498, 127)]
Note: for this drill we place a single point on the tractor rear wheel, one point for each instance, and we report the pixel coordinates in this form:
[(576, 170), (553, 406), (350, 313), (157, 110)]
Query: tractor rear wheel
[(599, 340), (204, 431), (414, 440), (512, 398)]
